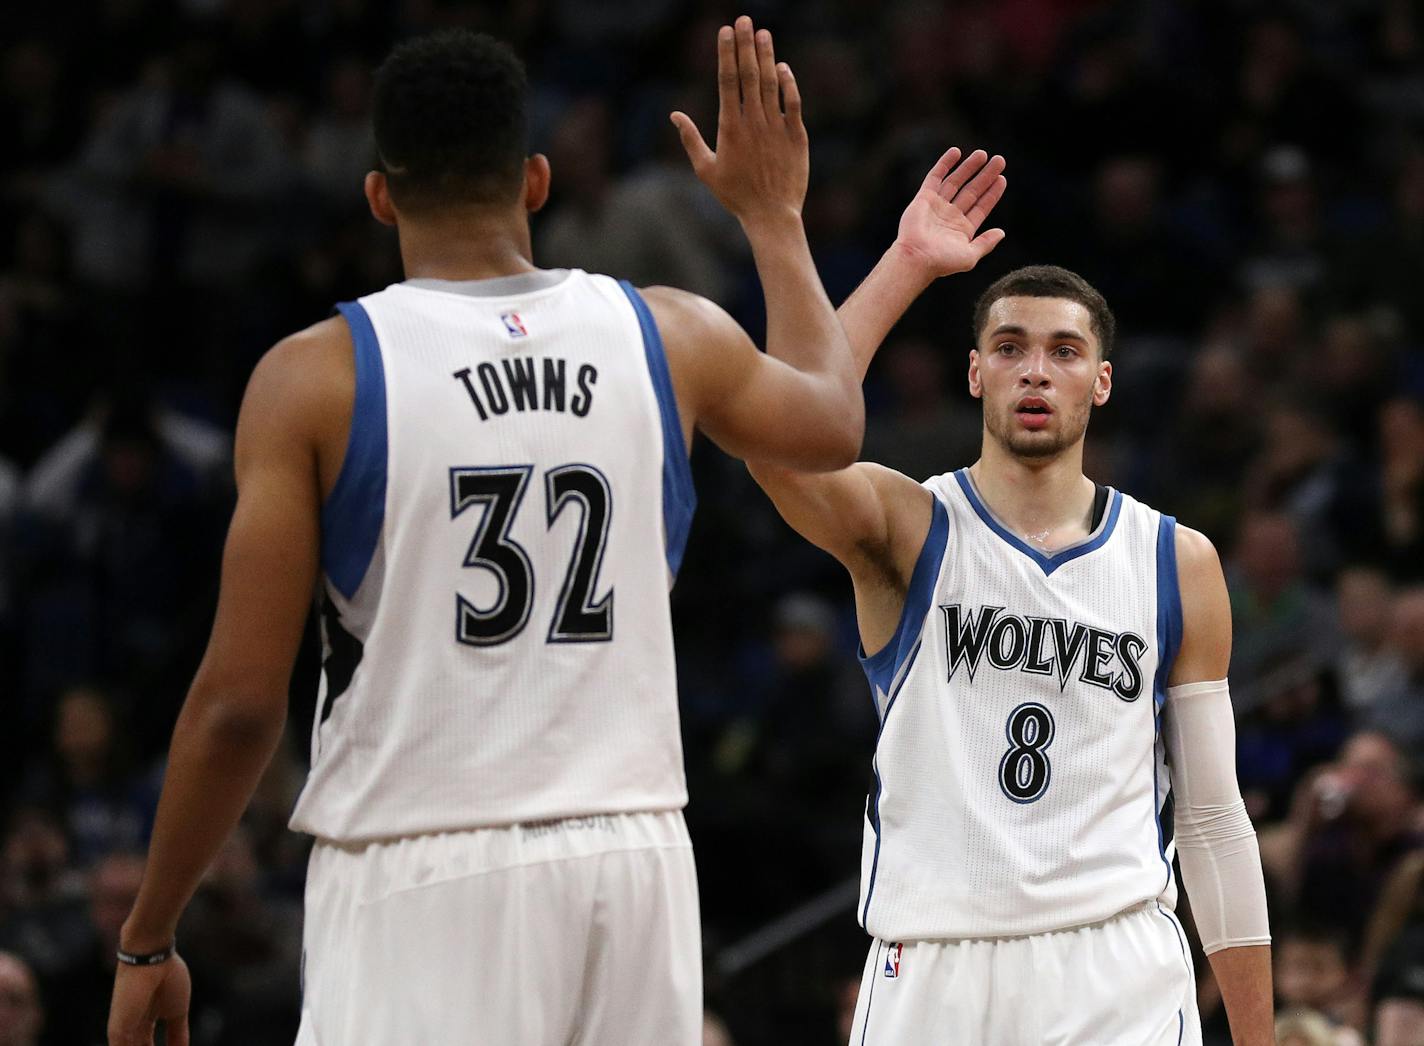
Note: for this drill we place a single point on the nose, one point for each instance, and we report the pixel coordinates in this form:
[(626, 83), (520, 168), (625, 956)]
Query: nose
[(1035, 370)]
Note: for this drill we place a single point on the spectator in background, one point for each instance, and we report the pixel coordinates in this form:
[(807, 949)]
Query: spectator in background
[(1401, 439), (1294, 723), (124, 530), (1399, 712), (1312, 972), (1351, 823), (87, 780), (1304, 1027), (85, 979), (1198, 469), (21, 1015), (1298, 472), (1275, 611), (923, 430), (244, 951), (630, 229), (176, 181), (1368, 666), (339, 148)]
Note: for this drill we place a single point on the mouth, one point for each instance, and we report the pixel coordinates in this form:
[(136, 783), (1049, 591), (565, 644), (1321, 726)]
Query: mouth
[(1033, 412)]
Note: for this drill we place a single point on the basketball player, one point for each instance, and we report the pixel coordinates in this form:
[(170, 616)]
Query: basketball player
[(484, 471), (1048, 660)]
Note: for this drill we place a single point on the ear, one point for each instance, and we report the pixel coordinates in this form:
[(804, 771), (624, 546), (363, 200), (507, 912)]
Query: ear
[(1102, 386), (976, 385), (536, 182), (378, 197)]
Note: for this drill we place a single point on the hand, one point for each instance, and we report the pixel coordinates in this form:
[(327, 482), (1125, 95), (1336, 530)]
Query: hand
[(939, 231), (762, 162), (145, 995)]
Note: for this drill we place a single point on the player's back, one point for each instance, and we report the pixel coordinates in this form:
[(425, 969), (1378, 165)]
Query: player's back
[(497, 554)]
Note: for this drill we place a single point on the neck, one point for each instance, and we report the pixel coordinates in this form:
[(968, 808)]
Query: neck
[(473, 244), (1048, 500)]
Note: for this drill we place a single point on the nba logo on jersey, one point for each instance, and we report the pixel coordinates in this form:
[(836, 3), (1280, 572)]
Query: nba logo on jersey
[(514, 325), (892, 960)]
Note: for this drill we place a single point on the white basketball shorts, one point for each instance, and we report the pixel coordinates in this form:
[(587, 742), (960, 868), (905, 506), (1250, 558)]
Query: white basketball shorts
[(579, 932), (1124, 982)]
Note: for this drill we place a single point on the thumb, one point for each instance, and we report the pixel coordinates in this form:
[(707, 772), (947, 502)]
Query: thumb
[(987, 240), (692, 141)]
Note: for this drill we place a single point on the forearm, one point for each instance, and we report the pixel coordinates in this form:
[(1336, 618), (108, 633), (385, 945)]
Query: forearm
[(1244, 976), (214, 764), (874, 308), (801, 325)]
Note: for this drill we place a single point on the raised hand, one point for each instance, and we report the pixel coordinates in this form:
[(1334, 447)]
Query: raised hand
[(762, 163), (940, 228)]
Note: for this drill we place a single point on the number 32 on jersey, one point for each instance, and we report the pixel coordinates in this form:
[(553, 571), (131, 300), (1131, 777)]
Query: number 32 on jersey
[(578, 617)]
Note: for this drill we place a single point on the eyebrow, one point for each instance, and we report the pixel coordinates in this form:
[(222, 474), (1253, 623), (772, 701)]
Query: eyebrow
[(1064, 335)]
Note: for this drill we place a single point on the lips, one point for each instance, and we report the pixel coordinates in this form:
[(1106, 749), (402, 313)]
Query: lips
[(1033, 412)]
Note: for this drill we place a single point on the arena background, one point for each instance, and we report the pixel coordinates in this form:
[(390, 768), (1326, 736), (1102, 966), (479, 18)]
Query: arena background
[(180, 186)]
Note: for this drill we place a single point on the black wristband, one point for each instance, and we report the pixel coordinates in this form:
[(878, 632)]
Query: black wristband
[(151, 959)]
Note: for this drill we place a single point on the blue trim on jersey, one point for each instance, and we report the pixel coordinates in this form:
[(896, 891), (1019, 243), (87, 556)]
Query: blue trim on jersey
[(1169, 641), (679, 497), (1169, 606), (1047, 562), (879, 785), (883, 666), (354, 513)]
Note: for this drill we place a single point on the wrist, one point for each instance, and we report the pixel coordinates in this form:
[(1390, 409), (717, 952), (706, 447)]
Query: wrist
[(912, 265), (772, 220), (137, 938)]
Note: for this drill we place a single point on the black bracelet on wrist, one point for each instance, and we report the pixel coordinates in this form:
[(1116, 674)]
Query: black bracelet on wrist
[(151, 959)]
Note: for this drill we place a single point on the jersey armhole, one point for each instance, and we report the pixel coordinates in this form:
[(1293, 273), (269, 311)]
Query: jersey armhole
[(679, 496), (885, 664), (1169, 606), (354, 512)]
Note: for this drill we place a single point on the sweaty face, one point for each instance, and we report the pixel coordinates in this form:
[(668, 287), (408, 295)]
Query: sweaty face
[(1038, 371)]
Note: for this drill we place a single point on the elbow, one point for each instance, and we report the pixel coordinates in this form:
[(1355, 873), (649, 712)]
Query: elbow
[(843, 437), (234, 721)]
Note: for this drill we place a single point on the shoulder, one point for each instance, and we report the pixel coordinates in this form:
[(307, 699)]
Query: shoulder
[(1196, 556), (1205, 652), (303, 386), (678, 310)]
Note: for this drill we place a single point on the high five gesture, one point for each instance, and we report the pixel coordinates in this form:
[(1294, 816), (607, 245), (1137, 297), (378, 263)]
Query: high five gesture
[(761, 163)]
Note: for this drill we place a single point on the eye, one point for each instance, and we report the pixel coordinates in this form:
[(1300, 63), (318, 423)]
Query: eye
[(1007, 348), (1064, 352)]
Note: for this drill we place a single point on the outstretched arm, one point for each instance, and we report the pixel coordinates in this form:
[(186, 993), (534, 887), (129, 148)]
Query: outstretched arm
[(1221, 865), (801, 403), (939, 236)]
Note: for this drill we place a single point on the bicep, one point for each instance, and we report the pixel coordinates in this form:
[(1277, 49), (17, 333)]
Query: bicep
[(1205, 653), (752, 405)]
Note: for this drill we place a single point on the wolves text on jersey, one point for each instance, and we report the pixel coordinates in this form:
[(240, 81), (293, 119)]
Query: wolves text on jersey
[(521, 383), (1043, 646)]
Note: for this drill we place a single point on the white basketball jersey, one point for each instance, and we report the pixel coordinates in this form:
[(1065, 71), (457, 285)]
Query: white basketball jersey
[(497, 554), (1020, 775)]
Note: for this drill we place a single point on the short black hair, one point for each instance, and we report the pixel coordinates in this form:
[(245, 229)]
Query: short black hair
[(1050, 281), (450, 121)]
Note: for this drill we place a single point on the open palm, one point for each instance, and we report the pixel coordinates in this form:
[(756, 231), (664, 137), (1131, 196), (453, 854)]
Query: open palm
[(940, 228)]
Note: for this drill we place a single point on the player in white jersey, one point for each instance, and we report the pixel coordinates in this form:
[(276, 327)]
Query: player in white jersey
[(1048, 661), (483, 473)]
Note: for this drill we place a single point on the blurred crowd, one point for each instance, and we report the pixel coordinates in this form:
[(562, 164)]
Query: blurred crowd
[(180, 186)]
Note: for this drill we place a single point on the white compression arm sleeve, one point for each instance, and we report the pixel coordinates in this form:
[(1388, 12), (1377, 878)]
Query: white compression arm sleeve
[(1221, 863)]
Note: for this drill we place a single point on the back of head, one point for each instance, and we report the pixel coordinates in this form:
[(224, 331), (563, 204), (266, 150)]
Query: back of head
[(450, 122), (1050, 281)]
